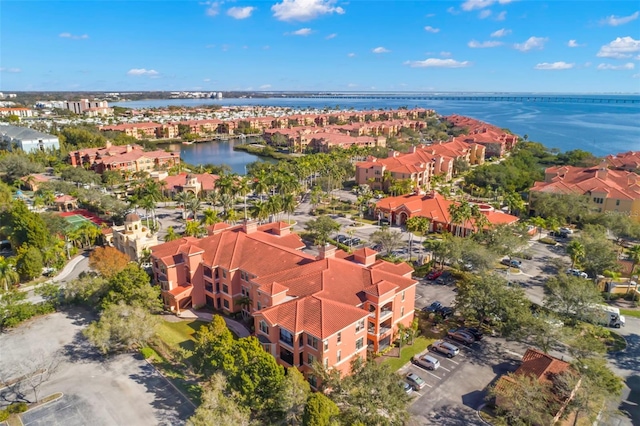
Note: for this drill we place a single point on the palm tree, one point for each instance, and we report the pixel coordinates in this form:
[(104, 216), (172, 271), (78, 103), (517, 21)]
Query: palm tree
[(539, 222), (8, 275), (210, 217), (171, 234), (149, 205), (274, 206), (575, 250), (242, 188), (289, 205), (183, 198), (634, 255), (259, 210), (193, 206), (260, 185), (245, 304), (193, 229), (88, 232)]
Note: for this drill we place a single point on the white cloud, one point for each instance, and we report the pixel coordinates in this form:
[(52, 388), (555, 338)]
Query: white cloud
[(531, 43), (501, 16), (430, 29), (621, 47), (481, 4), (213, 7), (265, 87), (142, 71), (501, 33), (330, 36), (304, 10), (614, 21), (301, 32), (351, 55), (485, 44), (554, 66), (452, 10), (627, 66), (11, 70), (352, 85), (438, 63), (241, 12), (430, 15), (445, 54), (380, 50), (74, 37), (484, 14), (206, 80), (574, 43)]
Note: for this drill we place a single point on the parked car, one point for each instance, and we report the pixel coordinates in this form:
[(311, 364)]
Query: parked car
[(445, 348), (566, 230), (514, 263), (433, 307), (427, 361), (434, 274), (341, 239), (445, 312), (461, 336), (475, 332), (355, 241), (376, 247), (408, 389), (415, 381), (577, 273)]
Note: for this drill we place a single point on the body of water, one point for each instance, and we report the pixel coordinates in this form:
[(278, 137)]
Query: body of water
[(216, 152), (600, 128)]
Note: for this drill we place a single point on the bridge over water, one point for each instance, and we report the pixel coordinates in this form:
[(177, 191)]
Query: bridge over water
[(491, 98)]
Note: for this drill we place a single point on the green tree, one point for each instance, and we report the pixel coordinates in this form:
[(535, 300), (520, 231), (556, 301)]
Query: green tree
[(8, 274), (293, 397), (218, 406), (321, 228), (16, 166), (634, 255), (194, 229), (388, 239), (132, 287), (600, 253), (87, 289), (418, 224), (575, 250), (29, 262), (571, 296), (121, 328), (319, 411), (171, 234)]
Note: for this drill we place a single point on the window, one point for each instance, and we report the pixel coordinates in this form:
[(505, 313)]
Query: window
[(286, 337), (310, 359), (326, 363), (225, 302), (245, 291), (312, 341), (313, 381), (326, 345), (402, 311), (359, 325), (225, 288), (339, 339), (224, 274), (339, 356), (403, 296), (264, 327), (598, 200), (617, 202), (259, 305), (360, 343)]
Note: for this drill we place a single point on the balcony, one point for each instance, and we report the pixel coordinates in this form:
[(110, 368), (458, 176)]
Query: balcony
[(385, 313), (371, 330), (208, 287), (384, 330), (287, 339)]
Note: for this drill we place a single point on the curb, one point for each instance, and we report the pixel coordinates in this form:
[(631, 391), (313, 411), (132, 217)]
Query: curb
[(480, 417)]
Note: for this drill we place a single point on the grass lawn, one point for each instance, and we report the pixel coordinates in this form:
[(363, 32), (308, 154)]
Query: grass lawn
[(179, 334), (420, 344), (630, 313)]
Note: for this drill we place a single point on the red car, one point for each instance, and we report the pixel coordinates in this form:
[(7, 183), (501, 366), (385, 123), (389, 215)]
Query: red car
[(434, 274)]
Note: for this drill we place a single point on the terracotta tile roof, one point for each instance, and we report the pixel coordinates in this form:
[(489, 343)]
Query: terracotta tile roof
[(315, 315), (380, 288), (541, 365), (181, 290), (365, 252), (207, 180)]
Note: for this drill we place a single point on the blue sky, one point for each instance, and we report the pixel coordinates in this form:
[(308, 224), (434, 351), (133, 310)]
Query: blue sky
[(472, 45)]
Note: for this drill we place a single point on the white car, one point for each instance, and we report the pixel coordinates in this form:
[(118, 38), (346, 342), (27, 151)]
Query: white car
[(427, 361)]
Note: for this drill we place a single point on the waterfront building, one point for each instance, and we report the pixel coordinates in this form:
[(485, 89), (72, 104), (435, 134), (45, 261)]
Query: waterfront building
[(126, 158), (435, 207), (26, 139), (495, 140), (629, 161), (90, 108), (199, 184), (610, 191), (328, 308)]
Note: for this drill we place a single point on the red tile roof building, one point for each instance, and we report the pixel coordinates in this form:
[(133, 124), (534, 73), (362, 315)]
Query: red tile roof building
[(615, 191), (545, 369), (129, 158), (196, 183), (419, 165), (496, 141), (629, 161), (435, 207), (328, 308)]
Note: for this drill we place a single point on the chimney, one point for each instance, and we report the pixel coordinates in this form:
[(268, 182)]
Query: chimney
[(129, 148), (326, 251), (249, 227), (108, 144), (360, 256), (601, 173)]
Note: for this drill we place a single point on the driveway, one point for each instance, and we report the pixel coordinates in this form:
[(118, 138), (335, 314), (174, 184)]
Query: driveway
[(117, 390)]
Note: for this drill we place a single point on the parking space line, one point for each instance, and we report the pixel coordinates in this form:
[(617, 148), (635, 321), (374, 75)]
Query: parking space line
[(456, 363), (439, 378), (445, 369)]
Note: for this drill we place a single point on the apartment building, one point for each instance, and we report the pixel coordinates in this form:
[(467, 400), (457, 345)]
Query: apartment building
[(612, 191), (91, 108), (328, 308), (20, 112), (126, 158), (132, 238), (26, 139)]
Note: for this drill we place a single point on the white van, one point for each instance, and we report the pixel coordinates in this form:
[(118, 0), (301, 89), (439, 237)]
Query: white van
[(427, 361)]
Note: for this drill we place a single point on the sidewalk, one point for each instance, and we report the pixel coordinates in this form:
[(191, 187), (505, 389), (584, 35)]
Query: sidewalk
[(239, 329), (64, 273)]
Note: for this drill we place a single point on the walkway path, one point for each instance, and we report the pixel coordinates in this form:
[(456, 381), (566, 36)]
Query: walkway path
[(238, 328)]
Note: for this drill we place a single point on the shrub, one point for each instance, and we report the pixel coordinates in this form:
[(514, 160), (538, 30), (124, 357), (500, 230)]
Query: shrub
[(17, 407), (146, 352), (4, 415)]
